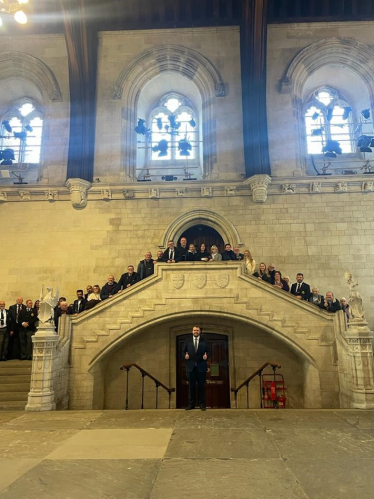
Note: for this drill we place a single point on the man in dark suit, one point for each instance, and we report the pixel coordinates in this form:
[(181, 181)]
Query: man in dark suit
[(5, 329), (79, 303), (330, 303), (228, 254), (128, 279), (171, 255), (27, 318), (300, 289), (183, 249), (196, 353), (14, 350)]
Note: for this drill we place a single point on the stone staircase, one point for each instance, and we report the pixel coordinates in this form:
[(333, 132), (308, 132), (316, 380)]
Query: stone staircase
[(15, 378)]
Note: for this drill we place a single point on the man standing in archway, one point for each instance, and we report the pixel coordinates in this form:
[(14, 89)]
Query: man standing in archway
[(196, 352)]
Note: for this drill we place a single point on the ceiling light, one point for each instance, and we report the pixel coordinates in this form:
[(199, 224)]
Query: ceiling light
[(20, 17)]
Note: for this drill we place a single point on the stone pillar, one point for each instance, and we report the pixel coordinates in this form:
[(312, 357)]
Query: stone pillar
[(259, 186), (360, 350), (42, 395)]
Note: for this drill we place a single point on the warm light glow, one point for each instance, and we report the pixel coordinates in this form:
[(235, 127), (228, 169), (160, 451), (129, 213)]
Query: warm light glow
[(1, 22), (23, 1), (20, 17)]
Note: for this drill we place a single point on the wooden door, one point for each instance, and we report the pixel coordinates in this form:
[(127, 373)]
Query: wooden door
[(217, 378)]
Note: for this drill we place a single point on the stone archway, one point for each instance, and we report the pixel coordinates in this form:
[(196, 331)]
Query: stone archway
[(210, 218)]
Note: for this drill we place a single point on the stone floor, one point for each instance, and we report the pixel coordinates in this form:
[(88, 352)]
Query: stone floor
[(231, 454)]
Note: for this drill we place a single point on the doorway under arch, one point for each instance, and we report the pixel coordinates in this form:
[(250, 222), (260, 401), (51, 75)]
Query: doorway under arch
[(202, 233)]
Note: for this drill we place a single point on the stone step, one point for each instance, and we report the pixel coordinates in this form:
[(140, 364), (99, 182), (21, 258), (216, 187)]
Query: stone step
[(14, 396), (10, 371), (13, 405), (15, 378), (15, 386), (15, 364)]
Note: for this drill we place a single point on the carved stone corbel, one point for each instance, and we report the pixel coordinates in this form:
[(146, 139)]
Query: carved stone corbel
[(3, 197), (259, 186), (78, 191)]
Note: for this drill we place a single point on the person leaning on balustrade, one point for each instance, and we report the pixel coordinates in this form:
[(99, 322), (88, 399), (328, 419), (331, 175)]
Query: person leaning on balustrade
[(109, 289), (63, 309), (203, 255), (215, 256), (249, 263), (287, 279), (346, 308), (262, 273), (279, 282), (315, 297), (191, 255), (239, 256), (93, 298), (330, 303), (146, 267)]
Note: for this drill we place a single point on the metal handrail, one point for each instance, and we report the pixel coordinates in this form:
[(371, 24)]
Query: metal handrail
[(274, 366), (144, 373)]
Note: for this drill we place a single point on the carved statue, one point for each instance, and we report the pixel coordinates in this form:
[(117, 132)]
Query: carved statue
[(47, 304), (355, 299)]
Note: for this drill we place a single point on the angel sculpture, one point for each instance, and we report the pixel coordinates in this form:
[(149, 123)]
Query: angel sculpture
[(47, 305), (355, 299)]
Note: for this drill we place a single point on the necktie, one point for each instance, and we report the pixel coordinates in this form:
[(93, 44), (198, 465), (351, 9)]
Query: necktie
[(195, 345), (298, 288), (171, 255), (2, 317), (28, 309), (18, 310)]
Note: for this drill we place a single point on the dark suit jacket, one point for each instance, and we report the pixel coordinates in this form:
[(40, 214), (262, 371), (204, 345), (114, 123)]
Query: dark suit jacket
[(228, 255), (304, 291), (58, 313), (196, 358), (165, 257), (182, 253), (333, 306), (128, 279), (77, 310), (27, 316), (13, 315)]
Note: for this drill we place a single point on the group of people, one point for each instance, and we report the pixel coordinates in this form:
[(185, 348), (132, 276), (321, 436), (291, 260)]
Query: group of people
[(19, 323)]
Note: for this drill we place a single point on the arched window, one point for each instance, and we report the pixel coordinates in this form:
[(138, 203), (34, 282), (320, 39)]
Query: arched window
[(22, 130), (328, 117), (174, 131)]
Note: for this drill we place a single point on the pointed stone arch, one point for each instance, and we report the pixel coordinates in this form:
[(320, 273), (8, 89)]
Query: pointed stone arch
[(211, 218), (150, 64), (290, 340), (345, 52), (28, 67)]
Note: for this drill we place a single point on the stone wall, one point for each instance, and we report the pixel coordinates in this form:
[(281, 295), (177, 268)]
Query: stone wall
[(322, 235)]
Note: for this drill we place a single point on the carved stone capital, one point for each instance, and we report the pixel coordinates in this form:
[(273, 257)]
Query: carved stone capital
[(368, 186), (3, 197), (259, 186), (51, 195), (285, 85), (341, 187), (78, 191), (206, 192), (106, 194), (315, 187), (24, 195), (220, 90), (288, 188)]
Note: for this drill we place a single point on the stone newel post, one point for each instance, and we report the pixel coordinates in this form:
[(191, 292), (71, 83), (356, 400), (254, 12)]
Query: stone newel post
[(41, 395)]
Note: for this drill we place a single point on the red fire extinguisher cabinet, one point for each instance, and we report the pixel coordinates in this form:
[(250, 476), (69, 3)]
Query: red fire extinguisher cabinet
[(273, 391)]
